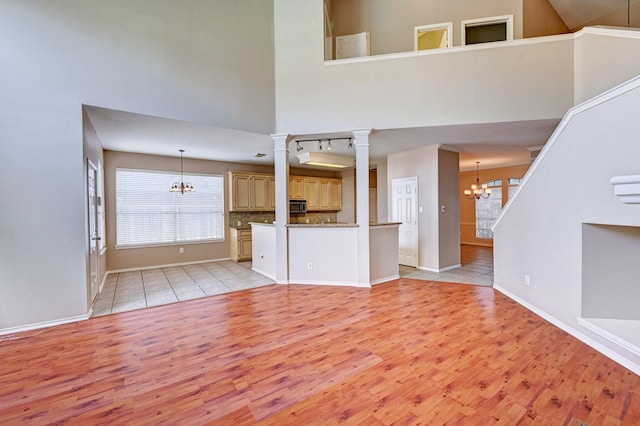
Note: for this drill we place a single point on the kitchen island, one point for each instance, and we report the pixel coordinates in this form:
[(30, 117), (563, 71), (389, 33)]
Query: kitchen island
[(327, 253)]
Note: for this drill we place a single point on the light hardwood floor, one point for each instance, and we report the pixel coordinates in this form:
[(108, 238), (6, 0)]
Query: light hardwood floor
[(404, 352)]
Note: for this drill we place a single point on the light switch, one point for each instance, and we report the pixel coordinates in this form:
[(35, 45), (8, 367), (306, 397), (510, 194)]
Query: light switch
[(420, 209), (443, 209)]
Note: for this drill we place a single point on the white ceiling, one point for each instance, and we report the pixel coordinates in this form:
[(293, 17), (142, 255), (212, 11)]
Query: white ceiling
[(578, 13), (493, 144)]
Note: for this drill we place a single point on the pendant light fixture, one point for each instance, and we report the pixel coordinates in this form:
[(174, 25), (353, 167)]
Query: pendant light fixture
[(182, 187), (477, 191)]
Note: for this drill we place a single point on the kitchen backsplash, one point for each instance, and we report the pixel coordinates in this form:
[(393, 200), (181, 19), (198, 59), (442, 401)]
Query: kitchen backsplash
[(241, 220)]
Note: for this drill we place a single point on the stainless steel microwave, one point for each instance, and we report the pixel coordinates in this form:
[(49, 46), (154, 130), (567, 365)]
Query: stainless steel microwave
[(297, 206)]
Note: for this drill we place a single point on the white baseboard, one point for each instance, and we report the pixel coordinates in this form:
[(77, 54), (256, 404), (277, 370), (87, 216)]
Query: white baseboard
[(38, 325), (331, 283), (448, 268), (385, 279), (264, 274), (572, 331), (168, 265)]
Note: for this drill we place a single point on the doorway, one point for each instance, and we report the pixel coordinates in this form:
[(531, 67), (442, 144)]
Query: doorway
[(404, 209), (94, 235)]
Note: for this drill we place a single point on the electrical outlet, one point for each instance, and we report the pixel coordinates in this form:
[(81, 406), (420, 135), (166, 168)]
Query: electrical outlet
[(181, 250), (309, 265), (239, 223), (527, 280)]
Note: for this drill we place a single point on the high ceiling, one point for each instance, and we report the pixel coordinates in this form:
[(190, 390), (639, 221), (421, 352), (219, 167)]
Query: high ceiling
[(493, 144), (579, 13)]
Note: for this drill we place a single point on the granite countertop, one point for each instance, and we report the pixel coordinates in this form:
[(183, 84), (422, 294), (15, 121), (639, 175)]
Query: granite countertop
[(385, 223), (323, 225), (262, 223)]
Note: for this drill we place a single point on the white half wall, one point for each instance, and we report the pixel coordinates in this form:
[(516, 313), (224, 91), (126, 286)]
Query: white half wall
[(539, 235)]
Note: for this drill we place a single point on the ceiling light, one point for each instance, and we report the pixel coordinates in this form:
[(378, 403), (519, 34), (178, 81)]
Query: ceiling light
[(477, 191), (298, 147), (329, 147), (350, 145), (260, 155), (182, 187), (325, 160), (320, 145)]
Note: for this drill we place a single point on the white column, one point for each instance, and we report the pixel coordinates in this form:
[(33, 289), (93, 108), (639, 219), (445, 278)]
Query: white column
[(281, 167), (362, 204)]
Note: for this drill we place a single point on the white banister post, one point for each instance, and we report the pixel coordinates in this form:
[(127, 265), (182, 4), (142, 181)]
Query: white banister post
[(362, 205), (281, 168)]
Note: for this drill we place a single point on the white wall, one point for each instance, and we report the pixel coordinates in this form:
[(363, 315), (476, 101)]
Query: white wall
[(604, 58), (193, 62), (540, 232), (424, 163), (391, 22), (527, 80)]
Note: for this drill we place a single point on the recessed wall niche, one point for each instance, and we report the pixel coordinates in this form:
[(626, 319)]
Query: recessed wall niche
[(611, 272)]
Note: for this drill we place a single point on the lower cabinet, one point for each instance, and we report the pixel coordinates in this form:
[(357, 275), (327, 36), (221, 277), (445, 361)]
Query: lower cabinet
[(240, 244)]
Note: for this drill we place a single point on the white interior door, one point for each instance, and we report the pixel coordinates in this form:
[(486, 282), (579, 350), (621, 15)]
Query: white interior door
[(404, 209), (94, 237)]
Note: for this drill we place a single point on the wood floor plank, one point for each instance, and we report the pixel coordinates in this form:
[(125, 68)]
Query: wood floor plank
[(405, 352)]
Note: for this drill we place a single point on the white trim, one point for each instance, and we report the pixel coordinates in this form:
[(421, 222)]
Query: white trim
[(448, 26), (385, 279), (330, 283), (572, 331), (491, 20), (44, 324), (271, 277), (609, 336), (451, 50), (598, 30), (167, 265), (613, 93), (448, 268)]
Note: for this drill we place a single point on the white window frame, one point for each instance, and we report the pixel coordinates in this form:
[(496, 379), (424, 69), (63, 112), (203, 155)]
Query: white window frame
[(177, 241), (508, 19), (433, 27)]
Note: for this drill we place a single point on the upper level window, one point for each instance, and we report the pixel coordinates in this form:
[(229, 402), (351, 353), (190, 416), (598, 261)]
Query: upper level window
[(148, 214), (486, 30), (435, 36)]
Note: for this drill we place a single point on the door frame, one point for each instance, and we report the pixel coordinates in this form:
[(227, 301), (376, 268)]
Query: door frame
[(93, 246), (416, 240)]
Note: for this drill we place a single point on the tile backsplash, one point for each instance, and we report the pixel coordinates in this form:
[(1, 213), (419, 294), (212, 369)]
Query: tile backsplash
[(241, 220)]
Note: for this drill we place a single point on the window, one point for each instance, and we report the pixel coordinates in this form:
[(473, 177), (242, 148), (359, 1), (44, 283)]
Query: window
[(513, 185), (435, 36), (148, 214), (486, 30), (488, 209)]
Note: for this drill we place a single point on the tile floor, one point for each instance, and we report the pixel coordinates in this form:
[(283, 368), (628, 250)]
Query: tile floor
[(126, 291), (477, 268)]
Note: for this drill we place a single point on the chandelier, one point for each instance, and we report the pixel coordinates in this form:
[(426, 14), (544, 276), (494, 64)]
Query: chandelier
[(477, 191), (182, 187)]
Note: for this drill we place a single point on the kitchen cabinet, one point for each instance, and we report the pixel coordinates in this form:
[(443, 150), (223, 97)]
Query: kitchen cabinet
[(296, 188), (323, 194), (240, 244), (257, 192), (251, 192)]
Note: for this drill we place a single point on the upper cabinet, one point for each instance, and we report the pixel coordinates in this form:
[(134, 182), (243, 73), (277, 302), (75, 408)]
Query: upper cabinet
[(256, 192), (251, 192)]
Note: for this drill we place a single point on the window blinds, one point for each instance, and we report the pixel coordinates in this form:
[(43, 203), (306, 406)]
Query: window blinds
[(148, 214)]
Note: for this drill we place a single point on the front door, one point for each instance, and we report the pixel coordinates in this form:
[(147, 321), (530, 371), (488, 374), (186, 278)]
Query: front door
[(404, 209), (92, 194)]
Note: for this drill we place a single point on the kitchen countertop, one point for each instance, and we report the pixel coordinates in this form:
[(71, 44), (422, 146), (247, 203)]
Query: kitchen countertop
[(385, 223), (262, 223), (323, 225)]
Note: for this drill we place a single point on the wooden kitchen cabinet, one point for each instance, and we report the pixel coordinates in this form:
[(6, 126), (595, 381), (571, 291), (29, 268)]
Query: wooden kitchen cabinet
[(257, 192), (240, 244), (323, 194), (296, 188), (251, 192)]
